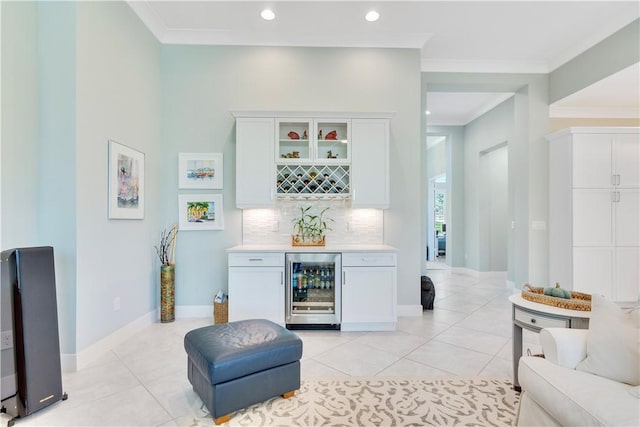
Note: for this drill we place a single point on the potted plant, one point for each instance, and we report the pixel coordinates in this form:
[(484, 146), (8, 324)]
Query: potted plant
[(309, 229), (166, 253)]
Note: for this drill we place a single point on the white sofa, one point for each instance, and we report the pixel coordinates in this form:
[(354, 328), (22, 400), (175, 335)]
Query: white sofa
[(555, 393)]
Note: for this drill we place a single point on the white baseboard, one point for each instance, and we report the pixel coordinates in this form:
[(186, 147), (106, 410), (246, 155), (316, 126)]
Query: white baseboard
[(75, 362), (409, 310)]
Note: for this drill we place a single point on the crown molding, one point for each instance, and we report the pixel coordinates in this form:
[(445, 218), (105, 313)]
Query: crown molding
[(483, 66), (594, 112), (149, 18)]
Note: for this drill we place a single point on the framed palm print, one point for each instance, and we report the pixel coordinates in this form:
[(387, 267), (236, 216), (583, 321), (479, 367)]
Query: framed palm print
[(200, 212)]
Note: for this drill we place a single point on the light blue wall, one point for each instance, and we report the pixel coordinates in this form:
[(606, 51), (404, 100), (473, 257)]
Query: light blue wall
[(454, 157), (492, 128), (119, 98), (19, 124), (56, 174), (202, 84), (80, 74), (18, 149), (528, 154), (616, 52)]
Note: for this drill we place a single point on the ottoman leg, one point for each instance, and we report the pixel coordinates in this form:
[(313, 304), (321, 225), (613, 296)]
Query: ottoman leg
[(221, 420), (289, 394)]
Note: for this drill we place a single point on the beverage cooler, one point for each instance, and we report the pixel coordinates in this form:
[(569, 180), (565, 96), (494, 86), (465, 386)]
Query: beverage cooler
[(314, 282)]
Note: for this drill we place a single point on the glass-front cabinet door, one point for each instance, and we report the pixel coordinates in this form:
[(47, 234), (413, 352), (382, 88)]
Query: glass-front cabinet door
[(313, 158), (293, 144), (333, 141)]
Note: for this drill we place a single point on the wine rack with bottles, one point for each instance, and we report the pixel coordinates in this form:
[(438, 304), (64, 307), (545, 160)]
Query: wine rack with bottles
[(313, 180)]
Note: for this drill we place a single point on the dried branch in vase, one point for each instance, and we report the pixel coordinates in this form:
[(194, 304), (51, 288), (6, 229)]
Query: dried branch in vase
[(166, 250)]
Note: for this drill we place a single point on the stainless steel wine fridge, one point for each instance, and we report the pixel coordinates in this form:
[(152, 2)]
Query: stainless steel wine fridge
[(314, 282)]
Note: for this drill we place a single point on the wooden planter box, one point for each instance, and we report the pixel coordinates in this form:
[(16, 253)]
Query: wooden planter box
[(297, 240)]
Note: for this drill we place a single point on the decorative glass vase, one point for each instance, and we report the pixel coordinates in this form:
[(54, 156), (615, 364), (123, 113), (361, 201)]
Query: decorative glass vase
[(167, 293)]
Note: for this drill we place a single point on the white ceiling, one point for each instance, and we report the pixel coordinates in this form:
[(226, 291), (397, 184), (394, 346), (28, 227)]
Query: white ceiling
[(453, 36)]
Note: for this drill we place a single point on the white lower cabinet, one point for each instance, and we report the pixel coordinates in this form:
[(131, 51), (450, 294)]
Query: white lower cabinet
[(369, 292), (256, 286), (257, 289)]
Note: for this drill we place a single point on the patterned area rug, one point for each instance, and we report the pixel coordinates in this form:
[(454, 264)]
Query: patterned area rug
[(388, 402)]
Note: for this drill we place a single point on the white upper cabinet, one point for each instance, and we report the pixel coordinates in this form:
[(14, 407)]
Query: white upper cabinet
[(254, 168), (592, 161), (370, 163), (594, 211), (626, 160), (315, 156), (603, 160), (311, 141)]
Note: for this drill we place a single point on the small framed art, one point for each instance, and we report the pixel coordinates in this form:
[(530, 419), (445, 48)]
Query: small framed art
[(200, 170), (200, 212), (126, 182)]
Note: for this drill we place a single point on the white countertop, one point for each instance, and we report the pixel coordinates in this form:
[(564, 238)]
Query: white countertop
[(549, 309), (328, 248)]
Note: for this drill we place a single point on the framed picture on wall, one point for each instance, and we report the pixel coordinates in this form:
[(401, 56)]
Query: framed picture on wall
[(126, 182), (200, 170), (200, 212)]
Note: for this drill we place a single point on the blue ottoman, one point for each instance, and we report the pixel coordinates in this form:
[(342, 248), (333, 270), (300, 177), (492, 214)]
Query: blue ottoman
[(234, 365)]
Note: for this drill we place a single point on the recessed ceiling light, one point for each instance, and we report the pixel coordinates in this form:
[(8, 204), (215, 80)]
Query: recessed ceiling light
[(372, 16), (267, 15)]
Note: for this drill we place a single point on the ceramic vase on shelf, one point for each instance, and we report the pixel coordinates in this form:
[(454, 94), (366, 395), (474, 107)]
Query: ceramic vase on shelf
[(167, 293)]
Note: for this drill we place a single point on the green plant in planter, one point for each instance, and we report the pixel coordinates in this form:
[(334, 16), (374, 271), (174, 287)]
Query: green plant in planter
[(309, 227)]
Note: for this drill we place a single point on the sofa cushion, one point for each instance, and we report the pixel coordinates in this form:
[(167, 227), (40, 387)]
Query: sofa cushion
[(613, 342), (578, 398)]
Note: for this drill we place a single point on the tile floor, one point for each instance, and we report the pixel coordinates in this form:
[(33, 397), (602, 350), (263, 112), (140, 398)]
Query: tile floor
[(143, 382)]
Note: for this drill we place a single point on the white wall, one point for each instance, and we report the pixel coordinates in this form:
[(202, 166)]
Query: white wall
[(201, 84)]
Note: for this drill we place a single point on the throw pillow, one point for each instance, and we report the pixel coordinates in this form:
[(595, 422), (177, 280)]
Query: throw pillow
[(613, 342)]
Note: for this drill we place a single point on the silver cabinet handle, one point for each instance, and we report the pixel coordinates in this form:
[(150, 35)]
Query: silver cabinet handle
[(615, 196), (282, 278), (618, 179), (613, 179), (344, 278), (255, 259)]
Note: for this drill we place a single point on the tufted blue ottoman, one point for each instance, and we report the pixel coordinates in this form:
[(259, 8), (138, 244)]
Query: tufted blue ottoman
[(234, 365)]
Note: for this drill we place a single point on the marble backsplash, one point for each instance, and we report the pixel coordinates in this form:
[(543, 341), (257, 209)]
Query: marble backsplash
[(349, 226)]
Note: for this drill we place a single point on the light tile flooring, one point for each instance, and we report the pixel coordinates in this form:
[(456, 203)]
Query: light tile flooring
[(143, 382)]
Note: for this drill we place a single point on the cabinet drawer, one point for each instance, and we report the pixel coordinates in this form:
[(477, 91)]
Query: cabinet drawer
[(368, 259), (539, 320), (256, 259)]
